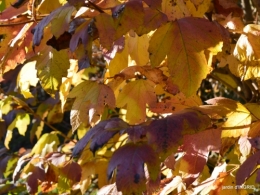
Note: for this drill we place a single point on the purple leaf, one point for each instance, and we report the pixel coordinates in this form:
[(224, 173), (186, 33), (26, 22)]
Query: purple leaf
[(129, 161), (247, 167), (100, 134)]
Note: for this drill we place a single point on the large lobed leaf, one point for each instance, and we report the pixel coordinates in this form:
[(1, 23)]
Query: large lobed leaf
[(91, 99), (129, 162), (184, 42), (167, 134)]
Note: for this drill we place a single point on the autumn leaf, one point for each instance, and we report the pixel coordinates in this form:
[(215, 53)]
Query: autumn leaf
[(99, 135), (35, 172), (14, 52), (247, 52), (109, 190), (184, 43), (52, 65), (91, 99), (70, 170), (26, 78), (59, 23), (48, 142), (127, 16), (179, 9), (167, 134), (135, 95), (21, 121), (238, 117), (106, 29), (153, 19), (197, 148), (129, 161), (247, 168)]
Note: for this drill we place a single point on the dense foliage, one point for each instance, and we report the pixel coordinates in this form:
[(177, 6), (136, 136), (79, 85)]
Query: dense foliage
[(127, 75)]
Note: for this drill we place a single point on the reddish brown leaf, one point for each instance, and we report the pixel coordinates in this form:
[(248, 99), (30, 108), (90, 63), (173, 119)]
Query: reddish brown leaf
[(71, 170), (56, 158), (129, 161), (153, 19), (37, 173), (167, 134), (197, 148), (225, 7), (127, 16), (154, 3)]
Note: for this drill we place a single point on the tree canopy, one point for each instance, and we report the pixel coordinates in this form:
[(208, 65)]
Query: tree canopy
[(126, 97)]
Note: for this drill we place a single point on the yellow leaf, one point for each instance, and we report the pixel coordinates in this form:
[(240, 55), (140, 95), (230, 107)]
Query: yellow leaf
[(185, 42), (47, 143), (26, 78), (247, 47), (21, 121), (238, 117), (135, 95), (47, 6), (60, 23), (138, 49), (119, 62), (52, 65), (176, 9), (91, 99)]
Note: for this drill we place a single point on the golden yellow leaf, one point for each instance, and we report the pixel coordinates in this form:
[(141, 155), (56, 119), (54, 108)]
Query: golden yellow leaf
[(21, 121), (238, 117), (176, 9), (47, 6), (26, 78), (248, 47), (91, 99), (185, 42), (138, 49), (119, 62), (48, 142), (135, 95)]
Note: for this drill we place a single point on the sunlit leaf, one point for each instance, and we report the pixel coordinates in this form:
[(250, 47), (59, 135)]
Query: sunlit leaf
[(47, 143), (135, 95), (179, 9), (26, 78), (52, 65), (21, 121), (184, 43), (60, 23), (238, 118), (91, 99)]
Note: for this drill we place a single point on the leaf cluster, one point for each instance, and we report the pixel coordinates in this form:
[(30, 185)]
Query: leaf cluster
[(127, 74)]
